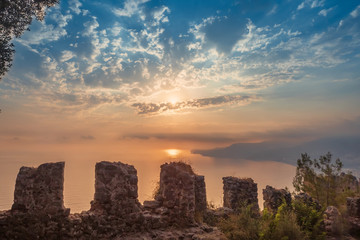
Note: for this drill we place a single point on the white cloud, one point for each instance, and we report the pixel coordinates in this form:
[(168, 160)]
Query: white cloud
[(324, 12), (42, 32), (66, 56), (273, 10), (317, 3), (301, 6), (90, 27), (131, 7), (311, 4), (356, 12), (75, 6), (159, 15)]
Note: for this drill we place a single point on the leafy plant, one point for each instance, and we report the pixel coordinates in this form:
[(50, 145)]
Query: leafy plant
[(241, 226), (281, 226), (322, 179)]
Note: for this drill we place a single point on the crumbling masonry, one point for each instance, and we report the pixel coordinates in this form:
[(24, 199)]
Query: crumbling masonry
[(38, 211)]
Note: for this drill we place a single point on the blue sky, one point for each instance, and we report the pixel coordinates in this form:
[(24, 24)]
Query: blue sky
[(236, 70)]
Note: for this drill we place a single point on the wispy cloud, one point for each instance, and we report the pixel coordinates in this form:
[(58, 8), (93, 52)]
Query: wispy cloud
[(88, 137), (130, 8), (311, 4), (187, 137), (75, 6), (324, 12), (356, 12), (157, 108), (147, 49)]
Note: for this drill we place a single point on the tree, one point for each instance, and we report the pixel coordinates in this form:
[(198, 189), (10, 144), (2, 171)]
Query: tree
[(319, 178), (15, 17)]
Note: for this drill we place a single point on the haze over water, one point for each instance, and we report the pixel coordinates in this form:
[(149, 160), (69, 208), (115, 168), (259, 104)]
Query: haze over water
[(80, 168)]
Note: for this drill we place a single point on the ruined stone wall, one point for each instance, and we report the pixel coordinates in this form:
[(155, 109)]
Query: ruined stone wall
[(353, 210), (200, 194), (116, 189), (115, 211), (239, 192), (40, 190), (273, 198), (38, 211), (181, 193)]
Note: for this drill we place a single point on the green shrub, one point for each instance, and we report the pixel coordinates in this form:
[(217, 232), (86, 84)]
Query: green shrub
[(281, 226), (309, 219), (241, 226)]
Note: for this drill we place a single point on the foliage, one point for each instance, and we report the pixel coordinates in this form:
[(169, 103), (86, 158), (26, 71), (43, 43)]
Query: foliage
[(319, 178), (322, 179), (298, 221), (281, 226), (241, 226), (6, 52), (310, 219), (15, 17)]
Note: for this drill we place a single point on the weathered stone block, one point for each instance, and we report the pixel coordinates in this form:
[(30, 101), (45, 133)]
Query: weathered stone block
[(116, 189), (40, 190), (273, 198), (200, 194), (240, 192), (353, 206), (332, 221), (177, 192)]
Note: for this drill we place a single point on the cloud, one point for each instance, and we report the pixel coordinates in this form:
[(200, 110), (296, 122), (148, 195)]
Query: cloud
[(130, 8), (157, 108), (324, 12), (311, 4), (317, 3), (42, 33), (355, 13), (151, 48), (66, 56), (88, 137), (301, 6), (75, 6), (295, 135), (187, 137)]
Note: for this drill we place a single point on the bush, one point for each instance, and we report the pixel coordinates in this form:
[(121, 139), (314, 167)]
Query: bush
[(241, 226), (309, 219), (281, 226)]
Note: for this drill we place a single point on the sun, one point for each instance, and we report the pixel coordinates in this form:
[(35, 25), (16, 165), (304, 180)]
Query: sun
[(173, 100), (172, 152)]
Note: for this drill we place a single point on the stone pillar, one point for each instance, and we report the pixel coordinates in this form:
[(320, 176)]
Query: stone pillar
[(40, 190), (332, 221), (353, 210), (273, 198), (200, 194), (116, 189), (239, 192), (177, 193), (353, 206)]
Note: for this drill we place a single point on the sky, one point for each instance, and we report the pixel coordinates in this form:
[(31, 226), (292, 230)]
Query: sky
[(236, 86)]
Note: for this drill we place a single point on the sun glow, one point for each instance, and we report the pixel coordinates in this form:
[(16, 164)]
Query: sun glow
[(173, 100), (172, 152)]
